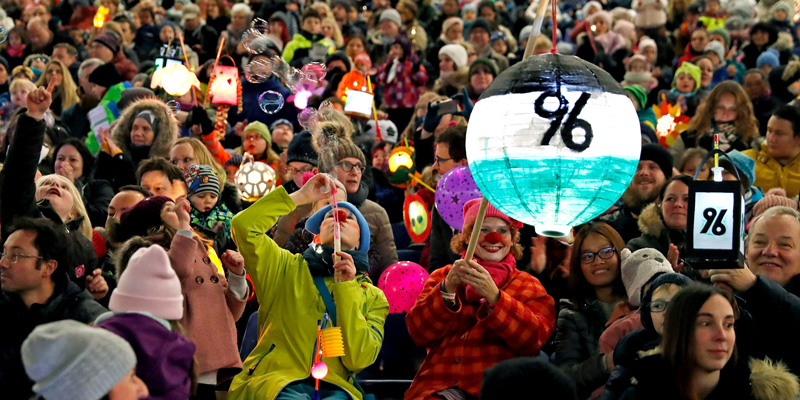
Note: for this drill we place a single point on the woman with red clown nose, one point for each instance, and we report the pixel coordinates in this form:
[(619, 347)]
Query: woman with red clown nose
[(474, 314)]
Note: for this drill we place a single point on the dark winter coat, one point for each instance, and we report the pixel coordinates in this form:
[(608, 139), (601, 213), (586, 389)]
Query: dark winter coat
[(67, 302), (441, 234), (655, 234), (203, 41), (624, 221), (97, 195)]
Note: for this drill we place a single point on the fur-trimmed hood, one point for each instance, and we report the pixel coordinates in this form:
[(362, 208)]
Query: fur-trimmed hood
[(167, 129), (650, 222), (458, 78), (771, 380)]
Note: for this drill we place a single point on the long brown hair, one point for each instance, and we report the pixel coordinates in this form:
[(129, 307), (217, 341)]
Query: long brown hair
[(580, 289), (746, 123), (677, 343)]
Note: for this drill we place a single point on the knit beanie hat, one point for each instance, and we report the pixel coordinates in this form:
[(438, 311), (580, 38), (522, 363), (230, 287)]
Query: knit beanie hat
[(717, 48), (130, 95), (481, 23), (23, 69), (109, 40), (525, 33), (201, 178), (483, 62), (497, 35), (658, 154), (640, 267), (602, 14), (315, 221), (639, 94), (450, 22), (735, 23), (456, 52), (140, 218), (471, 213), (639, 58), (663, 279), (771, 200), (363, 58), (769, 57), (149, 284), (69, 360), (235, 160), (779, 6), (743, 163), (259, 128), (691, 69), (152, 119), (722, 32), (106, 75), (646, 42), (341, 149), (390, 15), (284, 121), (300, 149), (590, 6)]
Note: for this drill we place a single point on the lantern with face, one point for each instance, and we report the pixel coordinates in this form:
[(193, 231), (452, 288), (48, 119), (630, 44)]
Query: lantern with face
[(417, 218), (553, 142)]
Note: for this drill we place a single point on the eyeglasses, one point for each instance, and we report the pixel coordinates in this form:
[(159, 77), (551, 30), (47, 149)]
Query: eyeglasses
[(658, 306), (347, 166), (295, 171), (252, 138), (14, 257), (440, 160), (605, 254)]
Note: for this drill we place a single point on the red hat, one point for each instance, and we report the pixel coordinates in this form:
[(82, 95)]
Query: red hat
[(471, 213)]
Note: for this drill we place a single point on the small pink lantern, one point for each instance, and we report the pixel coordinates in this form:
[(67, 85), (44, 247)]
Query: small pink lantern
[(224, 88), (402, 283)]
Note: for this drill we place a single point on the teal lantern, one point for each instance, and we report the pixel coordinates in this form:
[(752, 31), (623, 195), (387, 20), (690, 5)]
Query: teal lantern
[(553, 142)]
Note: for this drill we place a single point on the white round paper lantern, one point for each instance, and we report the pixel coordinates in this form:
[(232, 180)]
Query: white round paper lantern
[(255, 180), (553, 142)]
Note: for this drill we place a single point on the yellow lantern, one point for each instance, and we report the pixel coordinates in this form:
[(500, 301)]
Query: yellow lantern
[(225, 86), (401, 157), (100, 17), (254, 178), (175, 79)]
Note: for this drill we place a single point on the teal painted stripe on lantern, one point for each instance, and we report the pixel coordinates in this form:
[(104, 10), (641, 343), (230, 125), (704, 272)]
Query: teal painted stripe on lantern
[(557, 191)]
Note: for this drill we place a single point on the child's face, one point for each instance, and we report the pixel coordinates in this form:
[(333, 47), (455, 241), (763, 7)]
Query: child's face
[(327, 30), (396, 51), (204, 202), (685, 83), (167, 34), (780, 15), (715, 61), (19, 95), (712, 7), (706, 72), (663, 294), (638, 66), (691, 166), (649, 54), (500, 46), (14, 39), (378, 159), (312, 25), (230, 173), (470, 15), (38, 64)]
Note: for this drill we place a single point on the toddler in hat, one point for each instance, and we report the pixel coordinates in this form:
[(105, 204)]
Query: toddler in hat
[(203, 185), (685, 88)]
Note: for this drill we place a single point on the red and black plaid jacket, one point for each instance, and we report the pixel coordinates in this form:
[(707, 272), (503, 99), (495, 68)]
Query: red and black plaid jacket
[(463, 343)]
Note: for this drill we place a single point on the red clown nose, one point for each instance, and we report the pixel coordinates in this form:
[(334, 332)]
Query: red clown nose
[(341, 215), (493, 237)]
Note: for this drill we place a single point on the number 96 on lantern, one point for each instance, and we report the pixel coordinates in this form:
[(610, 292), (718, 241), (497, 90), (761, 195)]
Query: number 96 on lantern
[(713, 227)]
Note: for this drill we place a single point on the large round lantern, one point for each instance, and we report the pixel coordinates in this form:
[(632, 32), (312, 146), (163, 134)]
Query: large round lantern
[(255, 180), (175, 79), (553, 142), (401, 166)]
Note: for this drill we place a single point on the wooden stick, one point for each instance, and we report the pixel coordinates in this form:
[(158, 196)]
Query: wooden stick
[(476, 229), (186, 60), (537, 28), (414, 177), (219, 51)]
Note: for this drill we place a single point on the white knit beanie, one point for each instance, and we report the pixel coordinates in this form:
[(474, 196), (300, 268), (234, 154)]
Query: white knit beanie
[(639, 268), (456, 52), (69, 360)]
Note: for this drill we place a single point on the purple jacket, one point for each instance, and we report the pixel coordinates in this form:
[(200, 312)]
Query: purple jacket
[(163, 356)]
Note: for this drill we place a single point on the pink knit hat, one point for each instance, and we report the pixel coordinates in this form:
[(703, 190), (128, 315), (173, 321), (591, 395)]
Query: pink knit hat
[(471, 213), (149, 284)]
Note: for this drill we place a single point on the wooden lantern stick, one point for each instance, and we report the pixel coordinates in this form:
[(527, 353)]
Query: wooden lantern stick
[(476, 229), (537, 28), (186, 59)]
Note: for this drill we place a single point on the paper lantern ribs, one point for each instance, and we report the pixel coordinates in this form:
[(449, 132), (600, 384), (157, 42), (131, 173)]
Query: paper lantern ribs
[(553, 142)]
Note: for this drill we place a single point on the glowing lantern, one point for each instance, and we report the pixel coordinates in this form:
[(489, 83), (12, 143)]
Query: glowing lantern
[(175, 79), (225, 87), (100, 17), (319, 370), (669, 122), (417, 218), (401, 165), (255, 179), (553, 142)]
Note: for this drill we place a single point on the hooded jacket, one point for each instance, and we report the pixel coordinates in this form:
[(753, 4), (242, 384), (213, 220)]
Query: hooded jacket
[(655, 233), (771, 174), (299, 50), (286, 291)]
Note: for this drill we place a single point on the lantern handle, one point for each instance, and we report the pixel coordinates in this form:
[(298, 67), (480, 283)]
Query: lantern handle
[(226, 56), (246, 157), (722, 153), (473, 239)]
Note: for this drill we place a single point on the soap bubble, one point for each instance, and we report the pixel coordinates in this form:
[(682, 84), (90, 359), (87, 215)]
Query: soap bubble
[(270, 101), (314, 71), (254, 41), (308, 119), (173, 107), (260, 25), (258, 70), (279, 67), (3, 35)]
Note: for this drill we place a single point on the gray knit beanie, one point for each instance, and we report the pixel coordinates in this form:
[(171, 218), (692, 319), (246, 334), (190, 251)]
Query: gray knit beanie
[(69, 360), (341, 149), (152, 119)]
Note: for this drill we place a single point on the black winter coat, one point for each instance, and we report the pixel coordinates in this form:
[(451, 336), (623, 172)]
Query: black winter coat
[(67, 302), (97, 195)]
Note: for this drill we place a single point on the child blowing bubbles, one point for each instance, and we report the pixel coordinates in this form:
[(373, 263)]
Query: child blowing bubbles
[(207, 211)]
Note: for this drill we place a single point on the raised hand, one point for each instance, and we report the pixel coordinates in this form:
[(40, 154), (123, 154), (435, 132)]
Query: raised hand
[(39, 100)]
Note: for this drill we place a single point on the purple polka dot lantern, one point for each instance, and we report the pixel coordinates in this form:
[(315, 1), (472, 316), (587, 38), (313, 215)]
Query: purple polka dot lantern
[(455, 188), (402, 283)]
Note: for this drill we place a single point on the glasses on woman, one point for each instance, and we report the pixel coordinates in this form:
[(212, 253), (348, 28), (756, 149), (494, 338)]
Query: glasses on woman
[(604, 253), (347, 166), (295, 171), (658, 306)]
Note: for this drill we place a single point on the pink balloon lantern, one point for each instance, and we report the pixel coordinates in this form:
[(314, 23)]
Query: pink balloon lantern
[(319, 370), (402, 283), (455, 188)]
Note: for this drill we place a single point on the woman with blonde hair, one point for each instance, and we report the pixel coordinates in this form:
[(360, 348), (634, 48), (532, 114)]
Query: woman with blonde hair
[(187, 151), (330, 29), (73, 213), (728, 112), (66, 91)]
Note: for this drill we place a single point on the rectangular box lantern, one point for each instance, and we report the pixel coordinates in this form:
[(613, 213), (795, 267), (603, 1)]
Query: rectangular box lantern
[(715, 225)]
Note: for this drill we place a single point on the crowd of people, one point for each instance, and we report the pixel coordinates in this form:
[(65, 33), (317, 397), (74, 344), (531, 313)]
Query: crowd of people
[(135, 265)]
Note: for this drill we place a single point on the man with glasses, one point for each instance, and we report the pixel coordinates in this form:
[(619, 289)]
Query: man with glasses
[(300, 158), (35, 290), (346, 162), (450, 153)]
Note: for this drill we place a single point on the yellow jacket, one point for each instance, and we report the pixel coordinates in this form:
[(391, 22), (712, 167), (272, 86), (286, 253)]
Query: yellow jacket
[(771, 174)]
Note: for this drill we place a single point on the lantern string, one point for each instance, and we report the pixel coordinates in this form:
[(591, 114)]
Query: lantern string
[(186, 59), (553, 27)]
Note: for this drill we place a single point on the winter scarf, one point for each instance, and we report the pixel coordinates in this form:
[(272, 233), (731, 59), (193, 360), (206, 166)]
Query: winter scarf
[(218, 218), (320, 260), (358, 198), (727, 134), (500, 271)]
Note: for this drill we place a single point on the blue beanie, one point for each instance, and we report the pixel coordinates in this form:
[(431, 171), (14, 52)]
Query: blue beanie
[(745, 165), (769, 57), (314, 222)]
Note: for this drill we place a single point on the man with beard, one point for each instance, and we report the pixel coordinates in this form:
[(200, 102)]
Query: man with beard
[(655, 167), (75, 118)]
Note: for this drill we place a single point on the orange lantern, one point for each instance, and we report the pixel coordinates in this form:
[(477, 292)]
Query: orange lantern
[(100, 17)]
